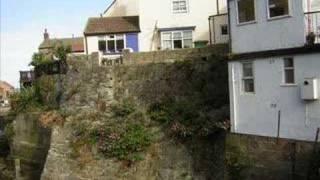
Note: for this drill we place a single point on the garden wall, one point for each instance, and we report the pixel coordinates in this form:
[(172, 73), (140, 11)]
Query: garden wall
[(256, 157)]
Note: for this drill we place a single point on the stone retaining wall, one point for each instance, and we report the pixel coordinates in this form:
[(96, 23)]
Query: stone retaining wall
[(268, 158)]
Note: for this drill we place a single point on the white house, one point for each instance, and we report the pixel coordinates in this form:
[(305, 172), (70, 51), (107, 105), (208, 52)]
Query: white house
[(274, 73), (163, 24)]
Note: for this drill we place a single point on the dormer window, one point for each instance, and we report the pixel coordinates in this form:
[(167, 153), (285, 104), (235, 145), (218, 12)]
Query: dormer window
[(246, 11), (180, 6), (278, 8)]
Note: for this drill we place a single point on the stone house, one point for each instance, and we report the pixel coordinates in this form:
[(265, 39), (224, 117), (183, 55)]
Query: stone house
[(153, 25), (274, 71)]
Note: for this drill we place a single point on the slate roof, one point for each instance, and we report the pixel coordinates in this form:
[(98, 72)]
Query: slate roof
[(75, 43), (112, 25)]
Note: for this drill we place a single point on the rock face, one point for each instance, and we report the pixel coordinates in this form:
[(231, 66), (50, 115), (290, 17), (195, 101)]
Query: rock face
[(30, 146), (89, 88)]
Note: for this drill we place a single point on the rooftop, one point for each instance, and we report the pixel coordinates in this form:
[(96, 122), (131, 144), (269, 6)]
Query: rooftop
[(111, 25), (76, 43)]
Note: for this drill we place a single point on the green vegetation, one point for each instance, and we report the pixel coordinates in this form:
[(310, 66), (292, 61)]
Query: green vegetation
[(203, 107), (41, 96), (124, 136), (59, 51)]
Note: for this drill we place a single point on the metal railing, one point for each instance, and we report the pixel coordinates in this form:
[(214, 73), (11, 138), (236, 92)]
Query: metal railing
[(312, 21)]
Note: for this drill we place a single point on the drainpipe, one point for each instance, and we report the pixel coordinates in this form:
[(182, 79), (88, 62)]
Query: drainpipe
[(210, 29), (218, 8), (229, 27)]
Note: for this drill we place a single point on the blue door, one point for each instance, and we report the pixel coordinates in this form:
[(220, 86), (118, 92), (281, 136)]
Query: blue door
[(132, 41)]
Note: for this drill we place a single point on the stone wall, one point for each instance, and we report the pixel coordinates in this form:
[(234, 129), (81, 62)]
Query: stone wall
[(87, 87), (255, 157), (175, 55), (30, 146)]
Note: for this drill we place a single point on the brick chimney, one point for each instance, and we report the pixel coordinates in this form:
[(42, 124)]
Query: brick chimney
[(46, 34)]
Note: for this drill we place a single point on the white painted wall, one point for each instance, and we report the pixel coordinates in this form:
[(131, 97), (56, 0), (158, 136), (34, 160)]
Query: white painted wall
[(216, 34), (123, 8), (92, 42), (267, 34), (158, 14), (254, 113)]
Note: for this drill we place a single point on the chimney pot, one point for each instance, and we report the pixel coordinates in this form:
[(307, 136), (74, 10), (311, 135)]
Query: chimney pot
[(46, 34)]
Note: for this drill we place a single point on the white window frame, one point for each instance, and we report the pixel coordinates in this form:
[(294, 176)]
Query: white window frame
[(248, 22), (288, 68), (106, 39), (278, 17), (243, 78), (172, 39), (179, 11)]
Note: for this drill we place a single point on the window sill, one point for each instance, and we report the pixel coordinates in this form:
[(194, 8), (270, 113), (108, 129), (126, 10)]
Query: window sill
[(288, 85), (279, 17), (248, 93), (181, 12), (247, 23)]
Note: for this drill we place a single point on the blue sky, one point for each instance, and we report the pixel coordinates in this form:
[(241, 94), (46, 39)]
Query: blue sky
[(22, 23)]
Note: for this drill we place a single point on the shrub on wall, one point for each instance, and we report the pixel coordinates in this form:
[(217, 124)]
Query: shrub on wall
[(202, 105), (123, 136)]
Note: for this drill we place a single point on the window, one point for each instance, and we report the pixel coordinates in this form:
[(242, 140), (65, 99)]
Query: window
[(288, 71), (246, 11), (224, 29), (278, 8), (176, 39), (248, 77), (102, 45), (179, 6), (111, 43)]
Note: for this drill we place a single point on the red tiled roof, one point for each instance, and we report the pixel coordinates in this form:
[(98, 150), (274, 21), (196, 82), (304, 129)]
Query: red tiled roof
[(6, 85), (110, 25), (76, 44)]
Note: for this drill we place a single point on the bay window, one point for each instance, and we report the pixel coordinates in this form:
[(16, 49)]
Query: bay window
[(176, 39), (246, 10), (278, 8)]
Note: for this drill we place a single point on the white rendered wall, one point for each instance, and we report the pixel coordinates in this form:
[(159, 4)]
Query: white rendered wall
[(123, 8), (216, 36), (158, 14), (257, 113), (92, 44), (267, 34)]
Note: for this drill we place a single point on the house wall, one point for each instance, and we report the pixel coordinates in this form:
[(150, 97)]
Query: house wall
[(216, 23), (158, 14), (123, 8), (257, 113), (267, 34)]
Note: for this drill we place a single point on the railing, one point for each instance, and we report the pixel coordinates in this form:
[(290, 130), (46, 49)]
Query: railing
[(312, 21)]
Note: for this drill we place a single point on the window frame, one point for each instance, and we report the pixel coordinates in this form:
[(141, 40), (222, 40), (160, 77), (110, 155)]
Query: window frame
[(285, 69), (278, 17), (248, 22), (179, 11), (244, 78), (183, 39), (107, 38)]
